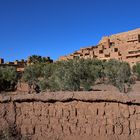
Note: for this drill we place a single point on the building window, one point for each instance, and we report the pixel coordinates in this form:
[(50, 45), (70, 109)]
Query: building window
[(115, 49), (100, 51), (77, 57), (138, 38), (107, 55), (119, 53)]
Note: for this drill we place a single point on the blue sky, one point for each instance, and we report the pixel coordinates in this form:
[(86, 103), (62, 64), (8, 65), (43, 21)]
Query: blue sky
[(59, 27)]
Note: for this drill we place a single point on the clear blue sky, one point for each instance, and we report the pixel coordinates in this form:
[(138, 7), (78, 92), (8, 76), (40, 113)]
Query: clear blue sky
[(59, 27)]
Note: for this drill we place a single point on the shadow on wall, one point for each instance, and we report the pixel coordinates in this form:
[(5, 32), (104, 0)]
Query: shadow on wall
[(12, 133)]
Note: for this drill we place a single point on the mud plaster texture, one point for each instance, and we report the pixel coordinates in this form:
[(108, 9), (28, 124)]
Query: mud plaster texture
[(72, 116)]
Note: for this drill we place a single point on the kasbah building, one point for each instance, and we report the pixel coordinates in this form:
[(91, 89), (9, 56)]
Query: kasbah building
[(122, 46)]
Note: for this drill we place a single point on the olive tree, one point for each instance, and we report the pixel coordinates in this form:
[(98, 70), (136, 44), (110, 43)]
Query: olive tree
[(136, 70), (31, 75), (118, 74)]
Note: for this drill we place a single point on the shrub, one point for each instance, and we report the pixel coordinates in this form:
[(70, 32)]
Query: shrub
[(11, 132), (47, 77), (136, 69), (31, 75), (86, 73), (118, 73), (43, 85), (8, 78), (72, 75), (65, 77)]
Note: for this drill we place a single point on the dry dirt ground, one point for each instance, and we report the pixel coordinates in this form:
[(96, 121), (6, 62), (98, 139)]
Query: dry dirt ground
[(135, 89)]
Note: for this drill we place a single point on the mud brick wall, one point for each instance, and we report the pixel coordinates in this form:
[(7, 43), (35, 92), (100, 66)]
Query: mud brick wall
[(72, 116)]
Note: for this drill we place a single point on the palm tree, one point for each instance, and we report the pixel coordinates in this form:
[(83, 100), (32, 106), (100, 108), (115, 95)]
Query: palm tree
[(35, 59)]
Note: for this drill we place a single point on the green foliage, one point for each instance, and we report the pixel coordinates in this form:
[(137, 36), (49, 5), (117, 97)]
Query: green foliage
[(47, 82), (36, 59), (118, 73), (136, 69), (72, 75), (8, 78), (10, 133), (48, 70), (65, 76), (86, 72), (98, 69), (31, 75), (6, 135), (43, 85)]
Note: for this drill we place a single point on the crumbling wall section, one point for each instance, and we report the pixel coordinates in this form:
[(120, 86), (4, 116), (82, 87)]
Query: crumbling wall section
[(74, 116)]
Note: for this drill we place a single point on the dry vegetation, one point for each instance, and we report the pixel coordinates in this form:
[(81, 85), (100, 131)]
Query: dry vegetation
[(72, 75)]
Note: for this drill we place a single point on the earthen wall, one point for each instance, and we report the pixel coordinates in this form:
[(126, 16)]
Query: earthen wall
[(67, 116)]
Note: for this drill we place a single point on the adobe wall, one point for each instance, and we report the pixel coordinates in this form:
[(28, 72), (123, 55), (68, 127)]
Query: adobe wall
[(123, 46), (72, 116)]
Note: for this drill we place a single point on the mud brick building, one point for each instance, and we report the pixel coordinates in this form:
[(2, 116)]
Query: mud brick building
[(123, 46), (18, 64)]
